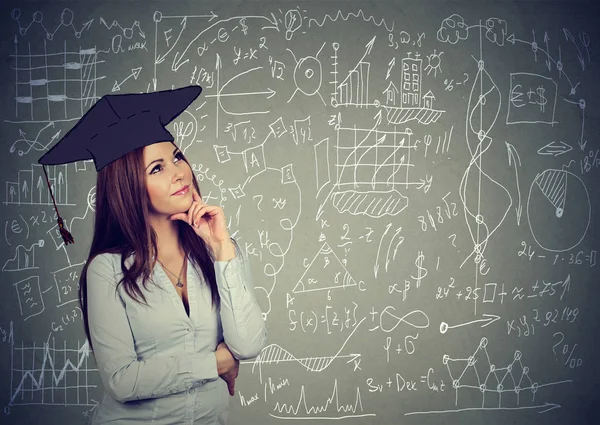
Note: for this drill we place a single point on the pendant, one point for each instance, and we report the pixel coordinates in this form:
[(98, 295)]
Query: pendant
[(179, 284)]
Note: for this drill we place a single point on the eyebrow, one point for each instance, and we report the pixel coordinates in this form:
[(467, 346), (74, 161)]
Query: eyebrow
[(160, 159)]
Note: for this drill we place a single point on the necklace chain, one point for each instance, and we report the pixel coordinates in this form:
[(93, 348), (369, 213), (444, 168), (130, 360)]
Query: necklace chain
[(179, 284)]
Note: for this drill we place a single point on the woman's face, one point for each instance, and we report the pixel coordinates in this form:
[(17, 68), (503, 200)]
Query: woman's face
[(166, 173)]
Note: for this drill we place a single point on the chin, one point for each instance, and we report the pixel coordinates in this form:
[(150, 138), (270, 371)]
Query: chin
[(185, 206)]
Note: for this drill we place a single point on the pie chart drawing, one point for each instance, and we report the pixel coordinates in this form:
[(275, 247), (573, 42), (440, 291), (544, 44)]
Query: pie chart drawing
[(558, 210)]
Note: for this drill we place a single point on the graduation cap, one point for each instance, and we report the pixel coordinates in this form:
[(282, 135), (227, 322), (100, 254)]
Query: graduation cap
[(115, 125)]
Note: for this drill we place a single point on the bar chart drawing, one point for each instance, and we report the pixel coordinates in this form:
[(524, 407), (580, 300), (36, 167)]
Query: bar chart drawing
[(31, 187), (354, 89)]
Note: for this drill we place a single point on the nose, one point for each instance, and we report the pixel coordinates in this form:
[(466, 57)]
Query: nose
[(178, 174)]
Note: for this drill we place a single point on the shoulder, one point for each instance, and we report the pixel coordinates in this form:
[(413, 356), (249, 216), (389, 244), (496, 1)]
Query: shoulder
[(104, 263)]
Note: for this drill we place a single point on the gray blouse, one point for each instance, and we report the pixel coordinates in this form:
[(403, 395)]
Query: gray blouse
[(157, 364)]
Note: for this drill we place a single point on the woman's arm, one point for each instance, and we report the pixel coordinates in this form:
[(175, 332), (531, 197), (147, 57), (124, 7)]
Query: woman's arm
[(244, 329), (125, 377)]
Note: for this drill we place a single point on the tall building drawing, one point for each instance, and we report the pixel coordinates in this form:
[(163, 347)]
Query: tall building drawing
[(411, 82)]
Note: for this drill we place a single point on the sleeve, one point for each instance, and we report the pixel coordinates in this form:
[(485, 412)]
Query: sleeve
[(244, 328), (125, 377)]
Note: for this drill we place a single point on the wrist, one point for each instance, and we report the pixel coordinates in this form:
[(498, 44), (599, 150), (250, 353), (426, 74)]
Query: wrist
[(223, 251), (225, 360)]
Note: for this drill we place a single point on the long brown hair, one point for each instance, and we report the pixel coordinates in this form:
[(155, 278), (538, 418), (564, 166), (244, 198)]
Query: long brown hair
[(121, 226)]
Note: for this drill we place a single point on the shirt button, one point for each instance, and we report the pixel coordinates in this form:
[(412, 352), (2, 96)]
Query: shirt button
[(192, 391)]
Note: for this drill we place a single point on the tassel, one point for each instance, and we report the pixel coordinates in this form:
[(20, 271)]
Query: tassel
[(67, 237)]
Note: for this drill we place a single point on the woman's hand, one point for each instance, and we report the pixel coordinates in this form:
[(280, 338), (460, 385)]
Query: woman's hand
[(229, 372), (208, 221)]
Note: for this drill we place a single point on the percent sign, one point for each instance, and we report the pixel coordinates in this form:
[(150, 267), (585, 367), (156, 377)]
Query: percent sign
[(573, 363)]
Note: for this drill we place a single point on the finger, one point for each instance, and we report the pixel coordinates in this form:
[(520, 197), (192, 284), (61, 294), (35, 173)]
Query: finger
[(210, 210), (193, 211), (179, 216), (200, 212)]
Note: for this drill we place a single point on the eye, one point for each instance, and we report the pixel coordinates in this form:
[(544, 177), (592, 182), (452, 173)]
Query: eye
[(178, 156)]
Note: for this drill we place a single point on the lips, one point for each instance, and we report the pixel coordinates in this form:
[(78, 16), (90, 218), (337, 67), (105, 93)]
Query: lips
[(182, 191)]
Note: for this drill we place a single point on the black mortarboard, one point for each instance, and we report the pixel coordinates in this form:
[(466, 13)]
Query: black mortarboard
[(116, 125)]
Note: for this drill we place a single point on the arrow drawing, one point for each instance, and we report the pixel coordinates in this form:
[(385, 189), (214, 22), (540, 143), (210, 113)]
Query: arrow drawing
[(135, 72), (555, 148), (487, 320)]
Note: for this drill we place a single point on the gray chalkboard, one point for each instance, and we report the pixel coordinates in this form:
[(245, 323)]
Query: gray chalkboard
[(415, 184)]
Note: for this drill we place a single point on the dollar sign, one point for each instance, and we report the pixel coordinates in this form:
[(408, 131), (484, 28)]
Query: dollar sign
[(542, 99), (244, 26), (421, 271)]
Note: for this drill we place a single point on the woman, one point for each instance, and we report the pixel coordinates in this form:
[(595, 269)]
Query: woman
[(168, 302)]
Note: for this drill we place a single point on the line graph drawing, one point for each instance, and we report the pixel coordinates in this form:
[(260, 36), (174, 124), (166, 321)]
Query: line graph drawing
[(24, 258), (127, 31), (66, 20), (35, 144), (495, 384), (274, 354), (360, 14), (37, 377), (303, 410)]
